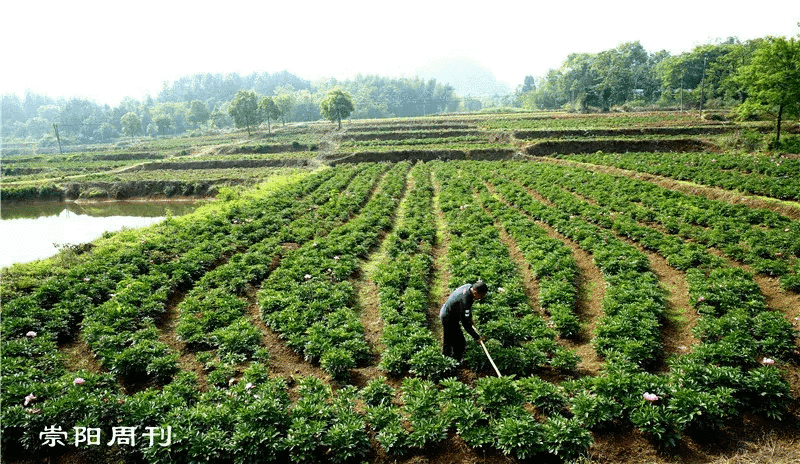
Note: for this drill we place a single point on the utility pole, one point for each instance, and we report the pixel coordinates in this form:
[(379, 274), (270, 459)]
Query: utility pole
[(703, 85), (58, 137)]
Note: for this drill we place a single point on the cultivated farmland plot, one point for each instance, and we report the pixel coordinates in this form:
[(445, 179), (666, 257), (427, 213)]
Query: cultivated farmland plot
[(643, 306)]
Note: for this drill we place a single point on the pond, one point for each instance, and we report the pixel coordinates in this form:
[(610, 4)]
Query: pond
[(31, 231)]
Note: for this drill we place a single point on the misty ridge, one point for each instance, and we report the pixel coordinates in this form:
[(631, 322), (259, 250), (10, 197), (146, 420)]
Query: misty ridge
[(624, 78), (200, 101)]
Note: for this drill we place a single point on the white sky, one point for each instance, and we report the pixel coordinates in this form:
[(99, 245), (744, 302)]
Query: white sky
[(106, 50)]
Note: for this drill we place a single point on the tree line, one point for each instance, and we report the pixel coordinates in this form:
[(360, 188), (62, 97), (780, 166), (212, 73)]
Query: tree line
[(711, 75), (755, 76), (204, 101)]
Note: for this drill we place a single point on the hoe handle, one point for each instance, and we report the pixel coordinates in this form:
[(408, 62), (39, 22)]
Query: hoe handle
[(490, 359)]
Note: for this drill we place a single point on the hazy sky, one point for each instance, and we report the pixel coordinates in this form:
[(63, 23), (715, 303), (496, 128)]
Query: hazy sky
[(104, 50)]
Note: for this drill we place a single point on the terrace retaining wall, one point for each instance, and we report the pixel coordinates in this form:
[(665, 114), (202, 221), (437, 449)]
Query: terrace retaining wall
[(428, 155), (219, 164), (694, 130), (566, 147)]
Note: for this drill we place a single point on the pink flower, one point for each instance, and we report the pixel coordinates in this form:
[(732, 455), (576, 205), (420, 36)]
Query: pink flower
[(307, 276), (29, 399), (33, 411), (78, 381), (767, 361), (651, 397), (701, 299), (31, 334), (249, 386)]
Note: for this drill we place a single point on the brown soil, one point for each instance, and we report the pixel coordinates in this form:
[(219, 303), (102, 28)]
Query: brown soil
[(283, 361), (78, 356), (441, 273), (187, 360)]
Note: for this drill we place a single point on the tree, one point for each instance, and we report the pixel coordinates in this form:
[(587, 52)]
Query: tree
[(285, 104), (337, 105), (198, 112), (244, 110), (269, 110), (164, 123), (772, 79), (131, 124), (528, 85)]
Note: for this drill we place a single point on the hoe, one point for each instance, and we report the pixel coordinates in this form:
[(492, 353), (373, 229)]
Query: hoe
[(490, 358)]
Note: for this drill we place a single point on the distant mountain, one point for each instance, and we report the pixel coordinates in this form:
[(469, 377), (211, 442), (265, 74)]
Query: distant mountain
[(467, 76)]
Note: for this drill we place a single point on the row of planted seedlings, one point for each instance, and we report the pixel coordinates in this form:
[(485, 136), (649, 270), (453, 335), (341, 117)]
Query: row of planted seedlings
[(766, 241), (246, 421), (550, 261), (115, 296), (519, 417), (761, 175), (521, 339), (634, 303), (731, 372), (617, 204), (495, 413), (310, 298), (123, 333), (707, 274), (403, 282), (213, 314)]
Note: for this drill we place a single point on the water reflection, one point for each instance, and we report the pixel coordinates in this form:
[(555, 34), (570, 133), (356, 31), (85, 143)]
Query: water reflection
[(31, 231)]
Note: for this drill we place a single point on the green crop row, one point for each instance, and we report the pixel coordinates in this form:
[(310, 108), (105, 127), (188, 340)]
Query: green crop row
[(122, 331), (520, 340), (309, 298), (212, 315), (634, 304), (728, 373), (760, 175), (550, 261), (115, 296), (403, 286), (494, 414), (767, 241)]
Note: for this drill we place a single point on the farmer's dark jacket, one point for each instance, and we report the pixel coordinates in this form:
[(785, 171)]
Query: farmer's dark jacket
[(458, 307)]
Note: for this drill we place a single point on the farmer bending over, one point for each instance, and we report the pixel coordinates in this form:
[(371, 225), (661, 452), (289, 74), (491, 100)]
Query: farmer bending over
[(458, 310)]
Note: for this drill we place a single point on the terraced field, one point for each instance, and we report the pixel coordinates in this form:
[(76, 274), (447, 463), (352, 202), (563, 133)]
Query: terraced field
[(643, 305)]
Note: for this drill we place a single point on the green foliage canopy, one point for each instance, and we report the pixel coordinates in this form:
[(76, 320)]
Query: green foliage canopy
[(131, 124), (337, 105), (269, 110), (245, 111), (772, 79)]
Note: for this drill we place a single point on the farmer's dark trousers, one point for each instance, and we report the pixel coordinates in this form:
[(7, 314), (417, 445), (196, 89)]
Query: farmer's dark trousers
[(453, 343)]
